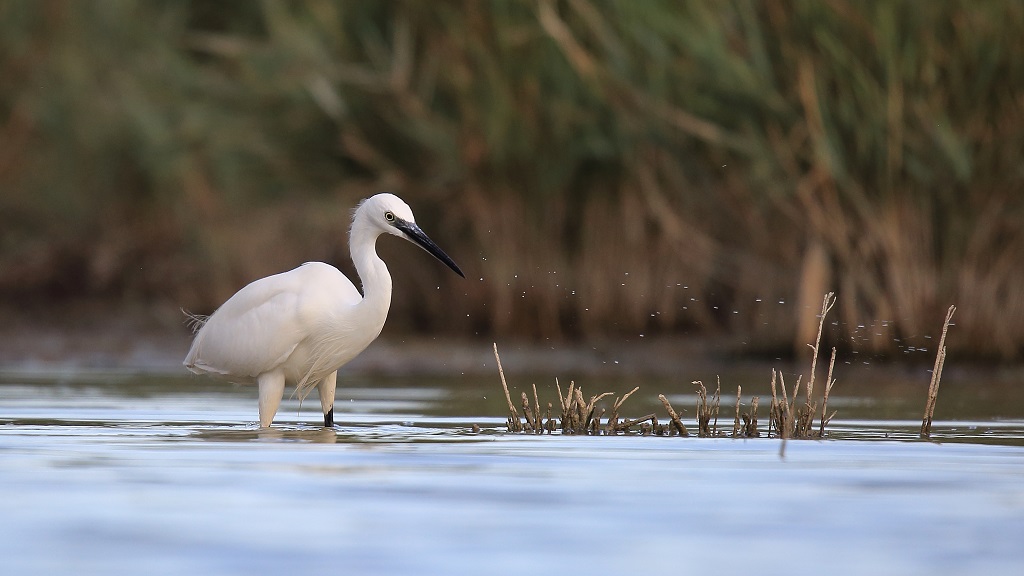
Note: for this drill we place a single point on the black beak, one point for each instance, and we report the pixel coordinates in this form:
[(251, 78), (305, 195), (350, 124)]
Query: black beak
[(413, 232)]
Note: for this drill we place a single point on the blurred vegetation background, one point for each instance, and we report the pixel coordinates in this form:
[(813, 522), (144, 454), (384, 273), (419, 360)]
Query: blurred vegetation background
[(598, 168)]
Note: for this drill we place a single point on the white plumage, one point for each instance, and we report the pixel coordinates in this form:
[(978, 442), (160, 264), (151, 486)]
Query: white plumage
[(302, 325)]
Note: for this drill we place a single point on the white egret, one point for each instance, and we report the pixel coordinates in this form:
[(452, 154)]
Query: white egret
[(302, 325)]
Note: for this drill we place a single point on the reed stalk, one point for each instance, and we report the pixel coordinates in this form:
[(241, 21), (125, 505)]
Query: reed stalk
[(750, 420), (706, 411), (933, 387), (736, 421), (829, 382), (513, 423), (236, 139), (676, 422)]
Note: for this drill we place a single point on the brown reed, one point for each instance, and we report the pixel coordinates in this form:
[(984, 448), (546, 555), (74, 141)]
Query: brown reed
[(785, 418), (514, 425), (933, 387), (707, 410), (676, 422), (750, 420), (520, 87), (829, 382)]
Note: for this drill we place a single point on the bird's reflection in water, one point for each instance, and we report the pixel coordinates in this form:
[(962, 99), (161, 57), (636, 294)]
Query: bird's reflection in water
[(249, 434)]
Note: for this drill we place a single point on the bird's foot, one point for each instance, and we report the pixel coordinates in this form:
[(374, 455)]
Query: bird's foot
[(329, 419)]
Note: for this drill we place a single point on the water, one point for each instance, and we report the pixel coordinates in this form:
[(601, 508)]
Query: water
[(114, 473)]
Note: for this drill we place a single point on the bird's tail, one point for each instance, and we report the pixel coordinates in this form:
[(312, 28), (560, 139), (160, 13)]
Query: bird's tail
[(195, 322)]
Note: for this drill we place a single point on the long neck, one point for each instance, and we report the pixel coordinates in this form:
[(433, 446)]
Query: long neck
[(373, 273)]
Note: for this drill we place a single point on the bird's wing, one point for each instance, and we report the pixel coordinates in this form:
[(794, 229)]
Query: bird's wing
[(259, 327)]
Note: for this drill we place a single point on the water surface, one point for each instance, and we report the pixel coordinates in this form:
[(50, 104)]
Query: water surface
[(115, 473)]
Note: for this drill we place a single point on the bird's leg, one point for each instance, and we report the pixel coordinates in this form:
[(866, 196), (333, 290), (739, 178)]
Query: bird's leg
[(326, 388), (271, 391)]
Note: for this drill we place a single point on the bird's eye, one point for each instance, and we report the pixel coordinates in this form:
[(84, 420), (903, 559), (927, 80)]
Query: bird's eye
[(389, 216)]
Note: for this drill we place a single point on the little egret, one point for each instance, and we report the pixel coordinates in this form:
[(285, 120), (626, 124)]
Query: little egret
[(302, 325)]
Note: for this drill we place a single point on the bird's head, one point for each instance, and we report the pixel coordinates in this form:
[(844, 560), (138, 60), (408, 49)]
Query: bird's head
[(387, 213)]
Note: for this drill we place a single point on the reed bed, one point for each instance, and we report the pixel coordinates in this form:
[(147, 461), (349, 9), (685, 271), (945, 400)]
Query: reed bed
[(638, 167), (787, 417)]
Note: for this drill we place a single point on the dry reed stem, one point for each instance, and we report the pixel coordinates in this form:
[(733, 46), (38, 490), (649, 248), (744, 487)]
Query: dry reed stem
[(718, 401), (933, 387), (826, 304), (750, 421), (566, 403), (782, 426), (578, 415), (536, 410), (570, 418), (590, 422), (783, 413), (679, 426), (792, 406), (829, 382), (582, 416), (702, 400), (803, 419), (736, 421), (595, 424), (783, 416), (613, 419), (514, 425), (706, 410), (627, 423), (531, 424), (748, 427)]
